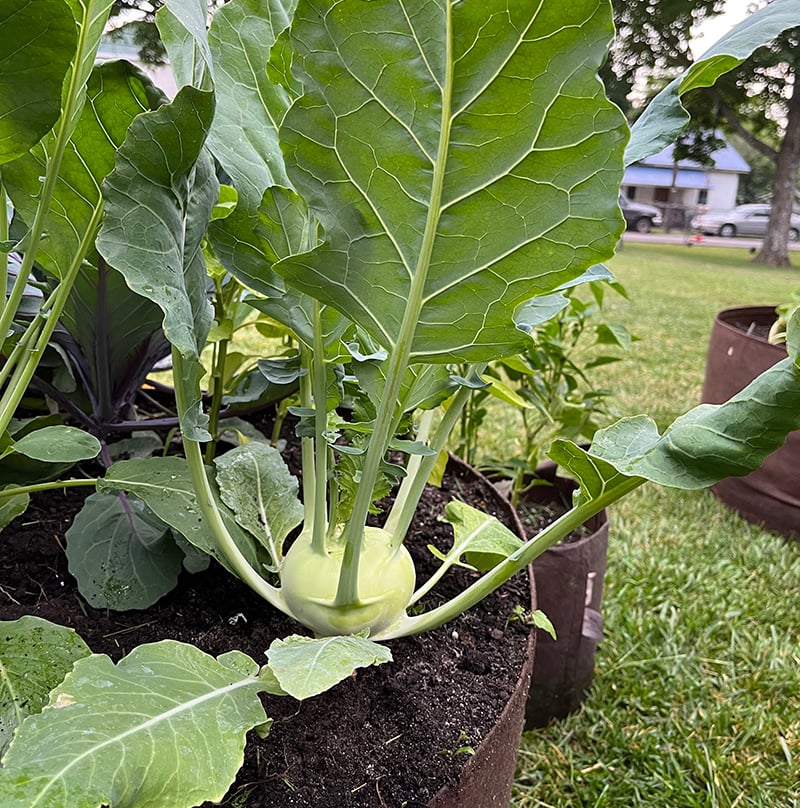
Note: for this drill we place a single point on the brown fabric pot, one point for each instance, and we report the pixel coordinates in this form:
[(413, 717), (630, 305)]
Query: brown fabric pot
[(488, 776), (769, 496), (569, 590)]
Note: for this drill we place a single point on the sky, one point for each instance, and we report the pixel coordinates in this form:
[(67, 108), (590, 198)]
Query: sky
[(711, 30)]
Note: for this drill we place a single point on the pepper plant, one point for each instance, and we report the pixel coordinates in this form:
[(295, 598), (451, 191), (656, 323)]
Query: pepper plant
[(408, 178)]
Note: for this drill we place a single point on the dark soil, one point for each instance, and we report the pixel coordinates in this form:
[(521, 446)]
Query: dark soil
[(753, 328), (385, 737)]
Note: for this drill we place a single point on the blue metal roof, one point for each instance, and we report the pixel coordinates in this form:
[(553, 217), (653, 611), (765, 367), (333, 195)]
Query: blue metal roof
[(725, 159), (639, 174)]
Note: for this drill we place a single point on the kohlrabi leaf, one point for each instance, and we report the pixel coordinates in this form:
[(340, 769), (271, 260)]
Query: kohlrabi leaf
[(255, 483), (58, 444), (244, 134), (165, 484), (165, 726), (240, 37), (90, 17), (183, 25), (481, 538), (164, 185), (36, 49), (424, 386), (539, 310), (116, 93), (700, 448), (35, 656), (305, 667), (461, 158), (793, 336), (121, 554), (296, 311), (665, 116), (12, 506)]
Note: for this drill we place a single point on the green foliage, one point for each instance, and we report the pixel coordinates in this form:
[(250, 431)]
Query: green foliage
[(306, 667), (34, 657), (38, 41), (444, 164), (121, 554), (550, 382)]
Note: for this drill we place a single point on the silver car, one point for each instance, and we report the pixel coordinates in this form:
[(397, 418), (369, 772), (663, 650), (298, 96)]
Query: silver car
[(745, 220)]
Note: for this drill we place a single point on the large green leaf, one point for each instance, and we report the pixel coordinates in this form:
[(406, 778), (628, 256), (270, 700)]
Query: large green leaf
[(244, 134), (665, 116), (35, 656), (121, 555), (37, 42), (165, 484), (159, 200), (700, 448), (255, 483), (116, 93), (460, 156), (163, 727), (244, 137)]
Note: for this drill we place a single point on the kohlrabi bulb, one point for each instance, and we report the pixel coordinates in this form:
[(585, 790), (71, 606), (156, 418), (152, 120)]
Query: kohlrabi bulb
[(386, 580)]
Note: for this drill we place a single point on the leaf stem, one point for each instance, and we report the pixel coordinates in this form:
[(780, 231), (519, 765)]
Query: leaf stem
[(507, 568), (405, 504), (54, 485), (307, 445), (320, 394), (208, 507), (49, 315)]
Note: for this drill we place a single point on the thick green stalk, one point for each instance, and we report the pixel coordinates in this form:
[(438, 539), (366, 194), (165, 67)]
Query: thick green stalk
[(218, 372), (4, 236), (51, 313), (347, 590), (210, 512), (319, 382), (507, 568), (307, 445), (24, 345), (405, 504)]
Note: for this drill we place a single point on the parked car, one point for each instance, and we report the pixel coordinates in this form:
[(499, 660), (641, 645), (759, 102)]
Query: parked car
[(641, 218), (745, 220)]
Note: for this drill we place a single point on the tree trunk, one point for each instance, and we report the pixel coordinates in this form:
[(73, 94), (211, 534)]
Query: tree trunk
[(775, 249)]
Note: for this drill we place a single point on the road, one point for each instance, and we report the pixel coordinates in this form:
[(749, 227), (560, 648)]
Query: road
[(680, 237)]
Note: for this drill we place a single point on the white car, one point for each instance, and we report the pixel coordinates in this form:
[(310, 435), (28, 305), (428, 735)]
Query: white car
[(745, 220)]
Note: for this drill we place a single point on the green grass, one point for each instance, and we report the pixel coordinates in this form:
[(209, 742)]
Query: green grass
[(696, 700)]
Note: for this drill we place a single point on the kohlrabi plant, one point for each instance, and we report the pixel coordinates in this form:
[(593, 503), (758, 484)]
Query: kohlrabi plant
[(402, 197), (409, 177)]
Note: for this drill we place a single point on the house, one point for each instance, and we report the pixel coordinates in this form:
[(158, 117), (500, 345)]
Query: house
[(687, 187)]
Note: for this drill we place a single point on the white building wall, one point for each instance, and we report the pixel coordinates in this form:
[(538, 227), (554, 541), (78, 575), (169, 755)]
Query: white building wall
[(722, 194)]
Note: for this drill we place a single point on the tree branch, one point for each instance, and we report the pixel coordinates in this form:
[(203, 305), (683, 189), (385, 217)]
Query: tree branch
[(736, 125)]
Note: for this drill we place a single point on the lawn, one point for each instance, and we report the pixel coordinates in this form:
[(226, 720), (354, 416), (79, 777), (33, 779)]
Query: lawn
[(696, 699)]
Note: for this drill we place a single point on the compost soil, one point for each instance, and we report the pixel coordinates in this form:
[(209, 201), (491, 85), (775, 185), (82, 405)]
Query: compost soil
[(391, 736)]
